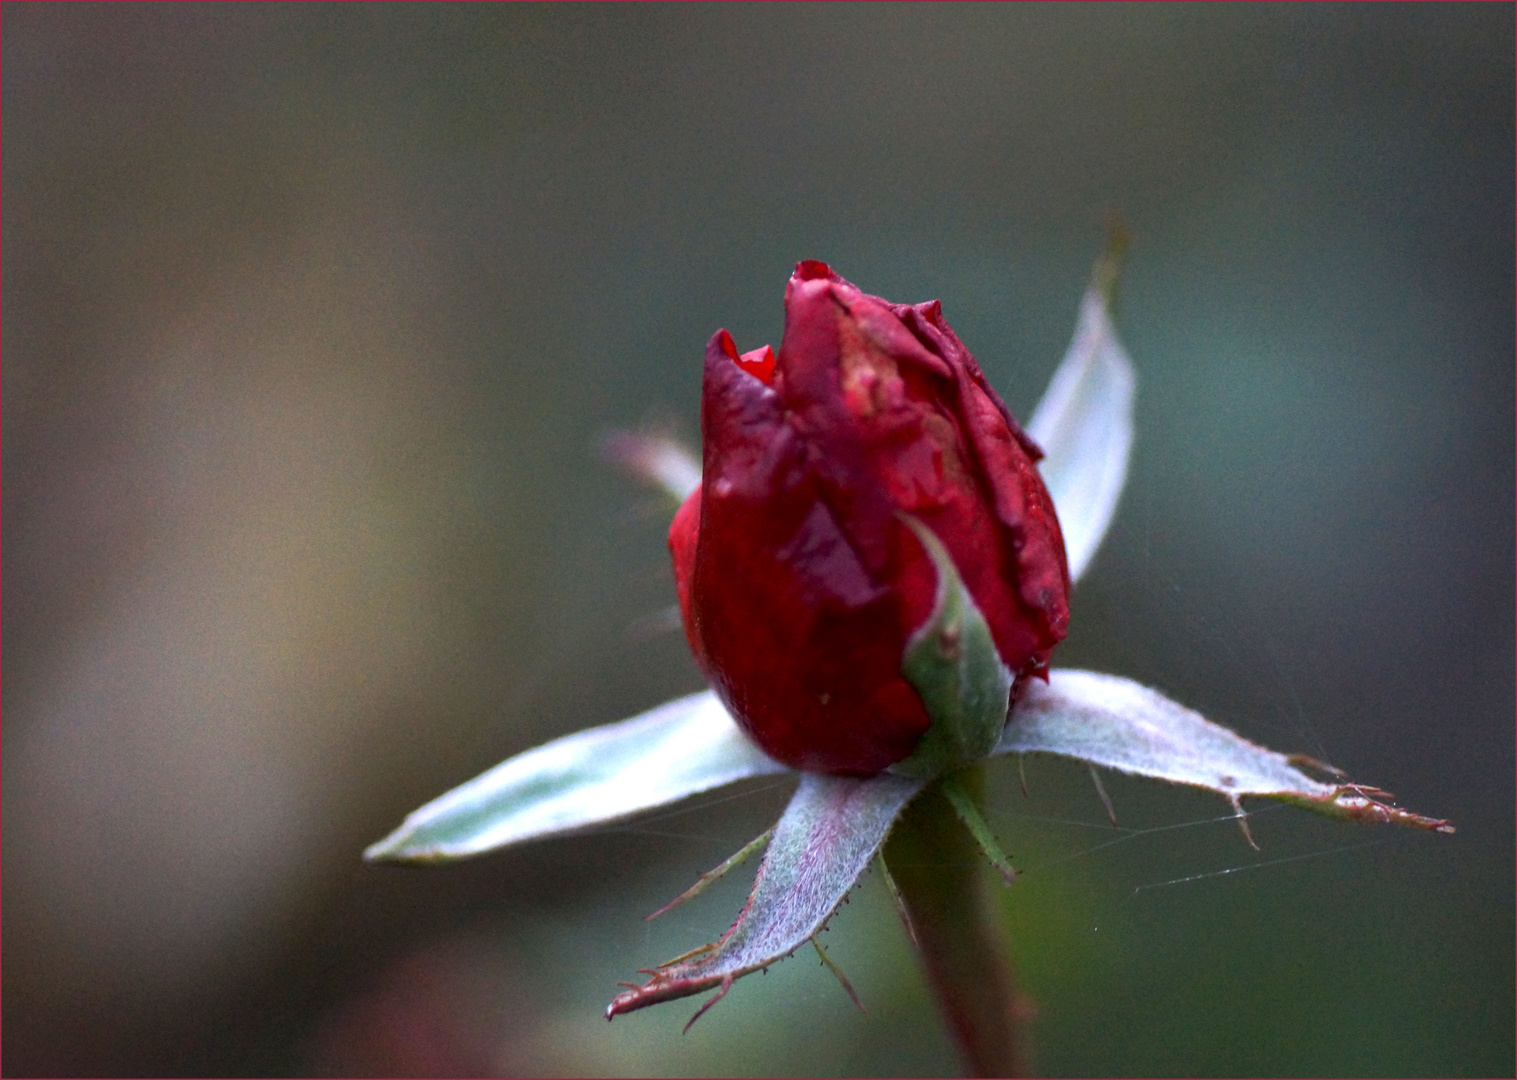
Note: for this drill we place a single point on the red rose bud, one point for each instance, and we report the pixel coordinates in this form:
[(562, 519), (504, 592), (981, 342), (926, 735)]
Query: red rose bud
[(853, 492)]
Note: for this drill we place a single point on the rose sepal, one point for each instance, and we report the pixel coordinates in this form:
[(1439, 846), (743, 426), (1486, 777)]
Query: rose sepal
[(952, 662)]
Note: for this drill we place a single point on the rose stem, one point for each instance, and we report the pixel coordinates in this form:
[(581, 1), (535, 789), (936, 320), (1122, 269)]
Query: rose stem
[(939, 871)]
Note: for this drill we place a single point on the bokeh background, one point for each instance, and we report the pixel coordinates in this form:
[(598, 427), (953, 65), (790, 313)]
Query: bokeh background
[(313, 316)]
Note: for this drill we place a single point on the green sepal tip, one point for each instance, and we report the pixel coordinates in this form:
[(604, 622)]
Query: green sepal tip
[(953, 663)]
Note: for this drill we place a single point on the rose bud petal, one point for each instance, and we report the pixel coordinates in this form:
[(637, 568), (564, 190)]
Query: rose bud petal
[(800, 578)]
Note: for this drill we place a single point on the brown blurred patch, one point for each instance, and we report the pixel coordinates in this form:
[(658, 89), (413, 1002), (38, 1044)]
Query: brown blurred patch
[(450, 1008)]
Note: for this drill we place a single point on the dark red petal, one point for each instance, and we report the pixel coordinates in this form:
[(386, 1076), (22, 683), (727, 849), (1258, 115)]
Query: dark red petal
[(1034, 561), (927, 323), (799, 637), (1025, 510), (743, 430), (759, 363), (684, 535), (803, 645), (818, 324), (813, 270), (804, 586)]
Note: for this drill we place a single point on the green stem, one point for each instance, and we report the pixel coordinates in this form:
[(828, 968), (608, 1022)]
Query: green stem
[(939, 871)]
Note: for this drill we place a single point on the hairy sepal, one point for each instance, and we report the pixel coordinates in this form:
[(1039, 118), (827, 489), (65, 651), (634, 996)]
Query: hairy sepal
[(952, 662), (602, 774), (1084, 423), (1115, 723), (831, 830)]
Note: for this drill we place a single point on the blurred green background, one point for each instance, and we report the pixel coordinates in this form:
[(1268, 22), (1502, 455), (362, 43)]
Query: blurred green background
[(313, 317)]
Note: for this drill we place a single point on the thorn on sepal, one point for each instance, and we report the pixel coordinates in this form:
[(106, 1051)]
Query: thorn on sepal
[(726, 985), (1241, 816), (1108, 268), (1111, 810), (970, 815), (828, 963)]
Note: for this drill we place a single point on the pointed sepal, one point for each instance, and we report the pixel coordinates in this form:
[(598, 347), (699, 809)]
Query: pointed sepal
[(1084, 423), (826, 839), (952, 662), (594, 776), (1118, 724)]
